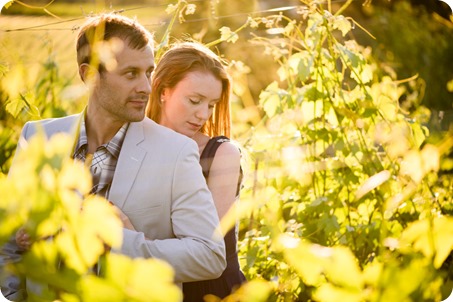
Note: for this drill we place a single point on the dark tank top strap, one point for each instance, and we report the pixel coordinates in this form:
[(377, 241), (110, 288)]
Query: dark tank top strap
[(207, 156)]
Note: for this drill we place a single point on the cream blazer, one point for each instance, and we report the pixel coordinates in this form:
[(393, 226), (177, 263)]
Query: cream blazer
[(159, 185)]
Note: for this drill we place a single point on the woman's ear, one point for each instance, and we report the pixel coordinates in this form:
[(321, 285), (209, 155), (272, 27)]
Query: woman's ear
[(164, 95)]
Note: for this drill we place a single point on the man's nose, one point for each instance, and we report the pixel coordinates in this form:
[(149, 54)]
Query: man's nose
[(144, 85)]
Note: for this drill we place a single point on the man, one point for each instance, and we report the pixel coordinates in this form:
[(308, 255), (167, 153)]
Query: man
[(149, 172)]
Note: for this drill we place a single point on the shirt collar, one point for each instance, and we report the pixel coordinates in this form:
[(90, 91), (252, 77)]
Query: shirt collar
[(113, 146)]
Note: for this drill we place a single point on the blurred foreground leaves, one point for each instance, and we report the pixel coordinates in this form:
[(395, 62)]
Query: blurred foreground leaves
[(46, 192)]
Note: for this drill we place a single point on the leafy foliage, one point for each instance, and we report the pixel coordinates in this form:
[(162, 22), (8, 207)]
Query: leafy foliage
[(406, 45), (348, 196), (348, 200), (42, 195)]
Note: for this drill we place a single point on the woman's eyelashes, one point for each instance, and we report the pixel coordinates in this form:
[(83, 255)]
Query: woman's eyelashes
[(197, 102)]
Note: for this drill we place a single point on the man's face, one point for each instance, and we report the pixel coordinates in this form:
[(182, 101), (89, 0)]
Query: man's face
[(121, 94)]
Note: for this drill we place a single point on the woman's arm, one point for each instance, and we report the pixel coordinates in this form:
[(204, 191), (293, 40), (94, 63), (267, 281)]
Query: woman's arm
[(223, 177)]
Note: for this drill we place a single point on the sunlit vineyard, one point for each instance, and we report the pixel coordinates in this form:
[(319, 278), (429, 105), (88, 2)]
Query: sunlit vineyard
[(347, 192)]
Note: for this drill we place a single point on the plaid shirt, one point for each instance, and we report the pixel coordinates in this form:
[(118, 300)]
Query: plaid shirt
[(104, 159)]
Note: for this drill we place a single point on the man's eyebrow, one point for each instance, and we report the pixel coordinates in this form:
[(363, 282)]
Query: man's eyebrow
[(130, 67), (134, 68)]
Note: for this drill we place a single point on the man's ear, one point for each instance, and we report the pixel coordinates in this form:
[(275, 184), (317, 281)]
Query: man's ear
[(87, 73)]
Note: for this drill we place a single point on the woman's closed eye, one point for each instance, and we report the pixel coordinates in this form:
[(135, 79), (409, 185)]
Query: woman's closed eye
[(198, 102), (195, 102)]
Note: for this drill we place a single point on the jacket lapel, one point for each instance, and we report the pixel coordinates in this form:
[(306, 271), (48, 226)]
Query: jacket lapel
[(128, 165)]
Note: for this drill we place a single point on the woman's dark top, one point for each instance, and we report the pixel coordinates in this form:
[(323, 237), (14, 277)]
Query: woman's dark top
[(232, 277)]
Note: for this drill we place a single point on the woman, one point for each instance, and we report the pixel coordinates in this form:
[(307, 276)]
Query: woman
[(190, 94)]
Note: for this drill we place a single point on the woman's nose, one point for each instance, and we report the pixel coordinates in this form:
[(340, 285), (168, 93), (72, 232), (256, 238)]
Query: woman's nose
[(203, 112)]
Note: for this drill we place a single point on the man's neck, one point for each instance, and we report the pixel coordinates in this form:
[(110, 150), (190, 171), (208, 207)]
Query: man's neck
[(100, 130)]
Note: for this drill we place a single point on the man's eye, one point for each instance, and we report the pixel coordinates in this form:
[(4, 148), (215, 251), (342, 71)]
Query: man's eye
[(131, 74)]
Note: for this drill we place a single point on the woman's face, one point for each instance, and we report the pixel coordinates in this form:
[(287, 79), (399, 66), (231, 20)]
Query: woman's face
[(187, 106)]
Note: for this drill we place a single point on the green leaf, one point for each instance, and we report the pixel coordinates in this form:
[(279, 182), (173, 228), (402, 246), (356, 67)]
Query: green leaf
[(304, 66), (14, 107), (418, 133), (312, 110), (348, 55), (270, 99), (343, 24)]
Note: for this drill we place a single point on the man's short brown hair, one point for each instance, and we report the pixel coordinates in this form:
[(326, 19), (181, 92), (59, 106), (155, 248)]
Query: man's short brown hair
[(106, 26)]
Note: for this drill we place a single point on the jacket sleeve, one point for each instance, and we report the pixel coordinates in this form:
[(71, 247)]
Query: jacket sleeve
[(12, 287), (197, 251)]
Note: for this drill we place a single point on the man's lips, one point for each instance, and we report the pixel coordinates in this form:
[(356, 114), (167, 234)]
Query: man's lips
[(138, 99)]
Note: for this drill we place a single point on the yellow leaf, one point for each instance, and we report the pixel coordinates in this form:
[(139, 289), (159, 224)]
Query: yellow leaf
[(72, 189), (59, 148), (372, 272), (341, 23), (66, 245), (372, 183), (450, 85), (412, 166), (228, 35), (105, 290), (50, 226), (343, 270), (443, 234), (431, 239), (108, 226), (162, 288), (308, 263), (430, 157), (89, 244), (330, 293), (254, 291), (143, 279)]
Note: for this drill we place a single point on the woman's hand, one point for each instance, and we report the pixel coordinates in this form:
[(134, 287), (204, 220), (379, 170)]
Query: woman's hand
[(124, 219), (23, 240)]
